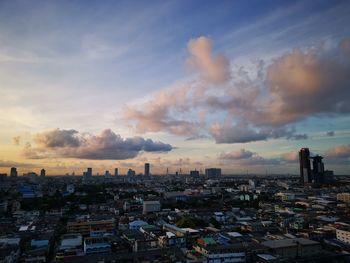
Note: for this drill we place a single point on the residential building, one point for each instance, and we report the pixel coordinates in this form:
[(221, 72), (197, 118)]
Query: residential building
[(151, 206), (343, 234), (344, 197)]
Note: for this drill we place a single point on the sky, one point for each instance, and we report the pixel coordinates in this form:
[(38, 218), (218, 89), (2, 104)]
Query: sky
[(241, 85)]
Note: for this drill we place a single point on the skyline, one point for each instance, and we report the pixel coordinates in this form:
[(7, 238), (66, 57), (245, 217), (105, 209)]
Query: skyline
[(241, 86)]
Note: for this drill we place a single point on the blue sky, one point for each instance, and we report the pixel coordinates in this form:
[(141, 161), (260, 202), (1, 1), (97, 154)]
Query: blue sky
[(92, 66)]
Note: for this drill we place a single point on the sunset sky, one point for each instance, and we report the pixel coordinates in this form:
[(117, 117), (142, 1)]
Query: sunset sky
[(240, 85)]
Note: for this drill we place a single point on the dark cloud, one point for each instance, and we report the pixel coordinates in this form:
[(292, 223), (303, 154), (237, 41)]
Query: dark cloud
[(246, 157), (241, 154), (330, 133), (58, 138), (196, 137), (105, 146), (8, 164), (236, 134), (243, 133)]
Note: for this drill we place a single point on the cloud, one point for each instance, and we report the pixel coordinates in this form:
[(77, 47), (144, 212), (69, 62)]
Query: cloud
[(156, 114), (344, 45), (7, 164), (58, 138), (291, 157), (297, 137), (235, 134), (250, 107), (246, 158), (243, 133), (211, 67), (105, 146), (258, 160), (16, 140), (300, 78), (330, 133), (241, 154), (340, 151)]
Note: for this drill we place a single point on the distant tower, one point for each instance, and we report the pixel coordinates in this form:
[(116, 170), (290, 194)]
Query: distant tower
[(89, 172), (305, 166), (42, 173), (147, 169), (13, 172), (318, 169), (116, 172), (211, 173), (131, 173), (107, 174)]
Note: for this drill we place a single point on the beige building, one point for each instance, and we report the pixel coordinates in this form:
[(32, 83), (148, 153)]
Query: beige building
[(343, 234), (344, 197), (84, 227)]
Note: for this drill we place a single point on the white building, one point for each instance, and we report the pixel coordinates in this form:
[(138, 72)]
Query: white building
[(151, 206), (71, 241), (135, 225)]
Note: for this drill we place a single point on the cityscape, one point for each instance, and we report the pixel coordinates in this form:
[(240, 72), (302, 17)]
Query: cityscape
[(175, 131)]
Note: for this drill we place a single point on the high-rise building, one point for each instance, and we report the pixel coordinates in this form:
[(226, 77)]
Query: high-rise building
[(116, 172), (108, 174), (13, 172), (305, 166), (318, 169), (42, 173), (212, 173), (131, 173), (147, 169), (316, 173), (89, 172)]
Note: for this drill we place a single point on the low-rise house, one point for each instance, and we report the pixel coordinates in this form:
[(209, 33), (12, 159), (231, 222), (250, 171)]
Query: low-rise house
[(293, 248)]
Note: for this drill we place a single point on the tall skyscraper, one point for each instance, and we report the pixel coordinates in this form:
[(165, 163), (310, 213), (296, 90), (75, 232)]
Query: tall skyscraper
[(13, 172), (89, 172), (318, 169), (42, 173), (147, 169), (116, 172), (305, 166)]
